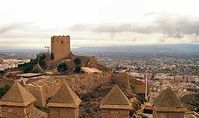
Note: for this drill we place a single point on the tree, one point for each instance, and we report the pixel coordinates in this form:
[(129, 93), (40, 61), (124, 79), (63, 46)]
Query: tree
[(62, 67), (2, 72), (77, 69), (37, 69), (29, 67), (3, 90), (77, 61), (42, 60)]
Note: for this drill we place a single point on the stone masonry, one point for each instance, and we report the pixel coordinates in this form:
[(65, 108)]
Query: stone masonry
[(167, 105), (18, 103), (115, 104), (65, 103), (60, 47)]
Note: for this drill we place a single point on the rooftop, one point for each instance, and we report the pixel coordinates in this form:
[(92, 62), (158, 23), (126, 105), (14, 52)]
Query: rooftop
[(168, 101), (65, 97), (17, 96), (115, 99)]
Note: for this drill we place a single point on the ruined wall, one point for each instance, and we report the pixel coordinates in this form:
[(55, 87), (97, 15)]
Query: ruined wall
[(122, 80), (52, 89), (60, 47), (43, 93), (168, 115), (17, 112), (87, 82), (114, 114), (64, 112), (39, 94)]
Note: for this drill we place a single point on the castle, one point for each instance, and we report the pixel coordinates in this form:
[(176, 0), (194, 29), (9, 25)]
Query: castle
[(19, 103), (61, 95), (60, 47)]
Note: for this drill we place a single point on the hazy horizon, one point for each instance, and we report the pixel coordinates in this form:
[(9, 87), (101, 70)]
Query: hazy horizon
[(110, 46)]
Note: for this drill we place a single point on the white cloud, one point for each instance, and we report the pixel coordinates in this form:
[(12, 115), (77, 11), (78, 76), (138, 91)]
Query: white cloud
[(44, 18)]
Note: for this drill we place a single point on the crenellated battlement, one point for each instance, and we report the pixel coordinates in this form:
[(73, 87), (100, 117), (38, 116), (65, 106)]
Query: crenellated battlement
[(60, 47)]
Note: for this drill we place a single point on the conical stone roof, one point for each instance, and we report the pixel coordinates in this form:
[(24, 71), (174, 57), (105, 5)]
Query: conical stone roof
[(65, 97), (168, 101), (17, 96), (115, 99)]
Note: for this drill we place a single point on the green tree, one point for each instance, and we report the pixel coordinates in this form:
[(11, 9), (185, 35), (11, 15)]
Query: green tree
[(3, 90), (62, 67), (77, 69), (77, 61), (42, 60), (28, 67)]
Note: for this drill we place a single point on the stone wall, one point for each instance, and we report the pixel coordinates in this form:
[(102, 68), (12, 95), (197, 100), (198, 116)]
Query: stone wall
[(64, 113), (43, 92), (122, 80), (114, 114), (81, 84), (18, 112), (39, 94), (86, 83), (168, 115)]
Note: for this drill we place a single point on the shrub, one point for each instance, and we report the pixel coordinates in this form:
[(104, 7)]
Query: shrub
[(28, 67), (77, 69), (63, 67), (77, 61), (3, 90)]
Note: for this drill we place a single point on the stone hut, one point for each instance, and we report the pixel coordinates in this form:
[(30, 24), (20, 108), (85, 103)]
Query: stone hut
[(115, 104), (65, 103), (167, 105), (18, 103)]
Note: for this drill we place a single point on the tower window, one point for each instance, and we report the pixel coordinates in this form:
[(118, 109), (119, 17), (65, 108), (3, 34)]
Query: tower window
[(62, 42)]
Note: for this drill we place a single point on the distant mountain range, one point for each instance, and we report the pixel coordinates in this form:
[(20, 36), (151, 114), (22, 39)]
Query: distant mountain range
[(179, 50), (176, 50), (19, 53)]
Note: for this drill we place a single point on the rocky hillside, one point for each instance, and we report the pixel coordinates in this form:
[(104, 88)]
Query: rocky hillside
[(191, 102), (85, 61)]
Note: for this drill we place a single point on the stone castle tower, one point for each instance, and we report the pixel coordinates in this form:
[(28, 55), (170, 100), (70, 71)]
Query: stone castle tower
[(60, 47), (167, 105)]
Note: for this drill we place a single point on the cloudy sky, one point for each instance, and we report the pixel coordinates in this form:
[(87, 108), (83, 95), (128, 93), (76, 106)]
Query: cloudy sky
[(31, 23)]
